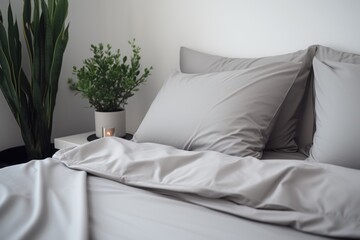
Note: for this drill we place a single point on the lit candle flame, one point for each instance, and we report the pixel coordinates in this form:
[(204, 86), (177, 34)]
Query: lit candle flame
[(108, 132)]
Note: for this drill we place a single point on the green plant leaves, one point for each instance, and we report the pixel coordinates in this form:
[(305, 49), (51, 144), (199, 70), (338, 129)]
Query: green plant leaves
[(108, 80), (32, 101)]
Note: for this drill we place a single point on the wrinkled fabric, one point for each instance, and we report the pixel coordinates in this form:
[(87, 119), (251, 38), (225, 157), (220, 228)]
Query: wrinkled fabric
[(43, 200), (46, 200), (311, 197)]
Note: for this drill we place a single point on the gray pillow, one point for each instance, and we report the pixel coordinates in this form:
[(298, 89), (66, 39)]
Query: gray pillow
[(337, 136), (326, 53), (230, 112), (282, 137), (306, 126)]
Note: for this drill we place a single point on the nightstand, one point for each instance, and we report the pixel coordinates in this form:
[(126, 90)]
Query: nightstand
[(78, 139)]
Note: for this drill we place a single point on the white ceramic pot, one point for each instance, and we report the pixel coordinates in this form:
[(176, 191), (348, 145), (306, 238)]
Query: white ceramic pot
[(114, 120)]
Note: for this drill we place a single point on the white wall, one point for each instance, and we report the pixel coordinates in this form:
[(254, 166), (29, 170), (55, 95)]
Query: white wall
[(243, 28), (72, 114)]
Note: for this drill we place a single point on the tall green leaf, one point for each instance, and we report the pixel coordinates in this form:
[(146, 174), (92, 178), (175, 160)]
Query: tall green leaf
[(27, 27), (36, 16), (60, 15), (51, 7), (48, 48), (59, 50)]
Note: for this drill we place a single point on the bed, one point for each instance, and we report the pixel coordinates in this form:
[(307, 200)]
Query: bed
[(231, 148)]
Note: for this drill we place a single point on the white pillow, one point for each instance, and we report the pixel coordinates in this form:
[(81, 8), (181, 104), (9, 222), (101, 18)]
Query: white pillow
[(230, 112), (337, 99)]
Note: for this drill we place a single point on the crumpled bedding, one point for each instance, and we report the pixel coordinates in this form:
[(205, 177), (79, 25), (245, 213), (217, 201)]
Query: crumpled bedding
[(43, 200), (310, 197)]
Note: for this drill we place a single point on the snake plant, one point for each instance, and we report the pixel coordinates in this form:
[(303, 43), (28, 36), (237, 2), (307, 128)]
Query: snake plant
[(31, 94)]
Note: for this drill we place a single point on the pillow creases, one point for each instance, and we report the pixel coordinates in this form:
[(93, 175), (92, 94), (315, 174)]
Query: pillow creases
[(232, 112), (336, 139), (282, 137)]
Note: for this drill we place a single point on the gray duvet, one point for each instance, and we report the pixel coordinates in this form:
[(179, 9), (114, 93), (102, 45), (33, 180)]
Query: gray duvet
[(94, 196)]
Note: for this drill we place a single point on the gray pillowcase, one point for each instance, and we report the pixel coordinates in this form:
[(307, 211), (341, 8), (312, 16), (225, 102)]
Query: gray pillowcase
[(306, 126), (337, 138), (230, 112), (326, 53), (282, 137)]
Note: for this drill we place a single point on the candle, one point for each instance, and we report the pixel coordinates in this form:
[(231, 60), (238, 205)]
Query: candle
[(108, 132)]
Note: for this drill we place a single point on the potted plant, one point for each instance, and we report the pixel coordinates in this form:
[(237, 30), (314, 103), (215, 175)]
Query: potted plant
[(107, 80), (31, 94)]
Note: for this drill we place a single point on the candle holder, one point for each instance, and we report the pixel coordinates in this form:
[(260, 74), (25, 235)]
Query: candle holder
[(108, 132)]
